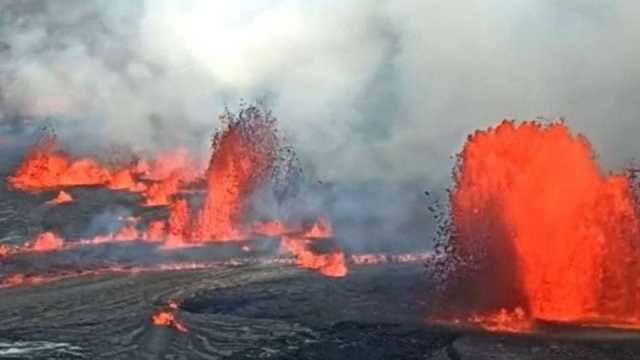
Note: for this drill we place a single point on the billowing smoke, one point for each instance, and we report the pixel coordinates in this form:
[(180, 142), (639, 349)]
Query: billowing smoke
[(372, 92)]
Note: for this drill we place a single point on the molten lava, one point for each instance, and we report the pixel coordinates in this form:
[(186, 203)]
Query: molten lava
[(244, 153), (540, 228), (63, 197), (165, 316), (332, 263), (246, 156), (47, 167), (46, 241)]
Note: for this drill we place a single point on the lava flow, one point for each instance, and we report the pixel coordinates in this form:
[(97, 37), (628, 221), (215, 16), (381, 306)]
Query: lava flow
[(331, 263), (541, 233)]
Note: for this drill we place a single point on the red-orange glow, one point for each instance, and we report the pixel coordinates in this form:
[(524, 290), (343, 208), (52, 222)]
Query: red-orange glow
[(155, 231), (46, 167), (127, 233), (125, 179), (320, 229), (243, 154), (270, 228), (504, 321), (179, 224), (172, 163), (165, 316), (555, 237), (5, 250), (331, 263), (46, 241), (161, 192), (63, 197), (20, 279)]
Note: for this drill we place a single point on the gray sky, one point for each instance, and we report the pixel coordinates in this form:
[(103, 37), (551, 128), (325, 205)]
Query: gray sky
[(365, 89)]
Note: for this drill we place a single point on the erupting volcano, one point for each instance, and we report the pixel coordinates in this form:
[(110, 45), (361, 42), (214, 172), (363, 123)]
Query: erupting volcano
[(540, 232), (245, 158)]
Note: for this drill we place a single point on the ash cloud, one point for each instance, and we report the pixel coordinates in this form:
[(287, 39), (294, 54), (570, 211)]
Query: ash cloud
[(368, 91)]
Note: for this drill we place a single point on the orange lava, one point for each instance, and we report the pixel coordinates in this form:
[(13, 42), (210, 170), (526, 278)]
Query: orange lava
[(165, 316), (270, 228), (47, 167), (63, 197), (243, 155), (21, 279), (331, 263), (548, 232), (46, 241), (5, 250), (155, 231)]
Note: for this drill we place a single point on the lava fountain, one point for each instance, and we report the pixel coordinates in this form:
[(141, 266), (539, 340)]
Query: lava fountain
[(244, 154), (539, 231)]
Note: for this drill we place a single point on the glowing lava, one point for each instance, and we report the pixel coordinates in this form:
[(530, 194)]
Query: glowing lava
[(165, 316), (63, 197), (331, 263), (244, 153), (46, 167), (543, 233), (46, 241)]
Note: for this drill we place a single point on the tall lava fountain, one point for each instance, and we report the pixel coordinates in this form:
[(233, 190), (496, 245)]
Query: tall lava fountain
[(540, 232)]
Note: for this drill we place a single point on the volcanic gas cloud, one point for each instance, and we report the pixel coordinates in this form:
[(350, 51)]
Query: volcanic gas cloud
[(539, 232)]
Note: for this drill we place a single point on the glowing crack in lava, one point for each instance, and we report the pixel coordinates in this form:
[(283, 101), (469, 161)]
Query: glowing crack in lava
[(543, 233)]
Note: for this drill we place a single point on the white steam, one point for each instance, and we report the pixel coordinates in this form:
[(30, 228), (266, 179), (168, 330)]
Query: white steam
[(365, 89)]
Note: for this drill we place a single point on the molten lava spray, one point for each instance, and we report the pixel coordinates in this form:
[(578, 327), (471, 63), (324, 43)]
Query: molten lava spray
[(244, 153), (332, 263), (542, 230)]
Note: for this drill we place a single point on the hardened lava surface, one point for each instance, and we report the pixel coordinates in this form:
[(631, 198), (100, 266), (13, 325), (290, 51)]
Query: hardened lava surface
[(256, 311)]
